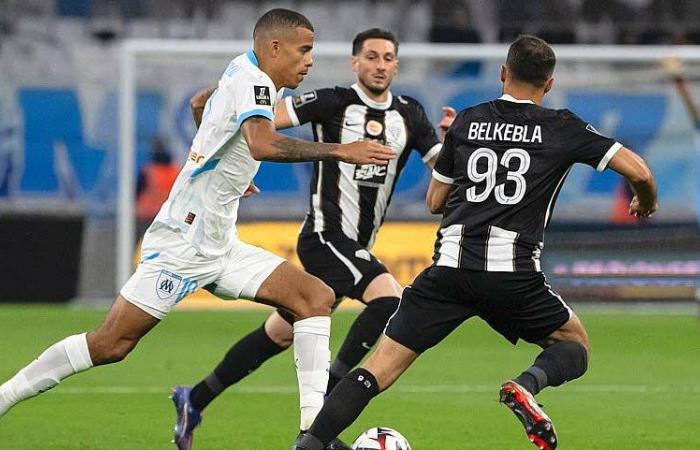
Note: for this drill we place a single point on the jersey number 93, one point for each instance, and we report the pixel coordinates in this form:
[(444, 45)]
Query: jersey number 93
[(488, 176)]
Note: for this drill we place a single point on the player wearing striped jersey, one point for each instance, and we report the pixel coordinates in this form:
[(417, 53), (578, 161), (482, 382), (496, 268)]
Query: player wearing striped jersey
[(348, 203), (495, 181), (193, 243)]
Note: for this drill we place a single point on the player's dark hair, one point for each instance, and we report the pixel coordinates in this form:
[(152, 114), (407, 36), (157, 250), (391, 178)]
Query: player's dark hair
[(373, 33), (281, 18), (531, 59)]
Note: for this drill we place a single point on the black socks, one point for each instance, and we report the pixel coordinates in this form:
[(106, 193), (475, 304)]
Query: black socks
[(557, 364), (347, 401), (363, 334), (242, 359)]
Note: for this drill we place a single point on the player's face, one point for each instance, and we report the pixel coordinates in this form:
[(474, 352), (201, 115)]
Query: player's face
[(295, 57), (376, 65)]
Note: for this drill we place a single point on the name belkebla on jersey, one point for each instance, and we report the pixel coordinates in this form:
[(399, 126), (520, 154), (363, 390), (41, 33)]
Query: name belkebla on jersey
[(488, 131)]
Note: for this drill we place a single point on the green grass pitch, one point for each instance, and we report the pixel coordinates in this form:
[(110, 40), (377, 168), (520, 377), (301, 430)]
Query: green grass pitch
[(642, 390)]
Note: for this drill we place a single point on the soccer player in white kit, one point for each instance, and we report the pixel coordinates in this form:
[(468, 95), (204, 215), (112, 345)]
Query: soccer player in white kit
[(193, 242)]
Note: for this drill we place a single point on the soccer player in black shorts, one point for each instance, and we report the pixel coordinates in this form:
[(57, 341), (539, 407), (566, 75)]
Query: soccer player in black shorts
[(495, 181), (347, 207)]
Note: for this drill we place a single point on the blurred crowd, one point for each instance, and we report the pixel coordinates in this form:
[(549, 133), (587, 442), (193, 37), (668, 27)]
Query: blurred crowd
[(467, 21)]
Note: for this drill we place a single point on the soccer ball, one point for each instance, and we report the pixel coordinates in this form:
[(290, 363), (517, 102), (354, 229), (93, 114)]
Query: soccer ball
[(381, 438)]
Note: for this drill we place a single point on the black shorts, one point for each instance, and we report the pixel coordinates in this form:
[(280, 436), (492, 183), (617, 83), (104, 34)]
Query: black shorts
[(340, 262), (518, 305)]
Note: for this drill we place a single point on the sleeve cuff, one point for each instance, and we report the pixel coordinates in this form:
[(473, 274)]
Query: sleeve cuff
[(291, 112), (608, 156), (266, 113), (433, 152), (442, 178)]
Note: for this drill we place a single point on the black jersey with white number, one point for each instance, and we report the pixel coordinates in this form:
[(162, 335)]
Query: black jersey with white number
[(507, 160), (351, 198)]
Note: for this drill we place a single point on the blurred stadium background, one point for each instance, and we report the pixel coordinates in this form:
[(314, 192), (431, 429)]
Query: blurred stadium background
[(59, 169)]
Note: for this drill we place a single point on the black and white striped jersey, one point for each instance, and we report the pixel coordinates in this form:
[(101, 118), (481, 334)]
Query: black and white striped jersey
[(350, 198), (507, 160)]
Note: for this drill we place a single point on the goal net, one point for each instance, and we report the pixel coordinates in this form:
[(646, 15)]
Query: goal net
[(623, 91)]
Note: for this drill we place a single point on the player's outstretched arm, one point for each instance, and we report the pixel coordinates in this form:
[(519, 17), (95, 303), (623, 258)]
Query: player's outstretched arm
[(198, 102), (675, 68), (633, 167), (437, 196), (267, 145)]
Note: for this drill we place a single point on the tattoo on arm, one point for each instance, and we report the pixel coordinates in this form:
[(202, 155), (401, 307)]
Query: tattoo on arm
[(290, 149)]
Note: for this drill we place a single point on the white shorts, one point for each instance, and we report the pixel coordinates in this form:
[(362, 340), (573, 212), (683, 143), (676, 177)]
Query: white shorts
[(171, 268)]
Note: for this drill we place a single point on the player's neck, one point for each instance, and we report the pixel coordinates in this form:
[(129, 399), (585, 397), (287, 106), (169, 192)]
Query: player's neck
[(379, 98), (520, 91)]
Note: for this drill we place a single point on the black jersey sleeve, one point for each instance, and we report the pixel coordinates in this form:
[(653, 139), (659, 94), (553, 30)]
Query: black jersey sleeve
[(426, 141), (313, 106), (445, 164), (586, 145)]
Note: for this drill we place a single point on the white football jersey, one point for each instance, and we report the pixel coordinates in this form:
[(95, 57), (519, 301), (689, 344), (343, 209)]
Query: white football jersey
[(203, 203)]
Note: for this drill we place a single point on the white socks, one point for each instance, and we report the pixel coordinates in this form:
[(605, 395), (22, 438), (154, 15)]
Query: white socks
[(312, 357), (59, 361)]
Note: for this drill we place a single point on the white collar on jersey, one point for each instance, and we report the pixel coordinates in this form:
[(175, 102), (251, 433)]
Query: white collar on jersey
[(510, 98), (371, 103)]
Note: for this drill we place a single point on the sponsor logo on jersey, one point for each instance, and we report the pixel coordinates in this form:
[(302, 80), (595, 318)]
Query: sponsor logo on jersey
[(303, 99), (195, 157), (370, 174), (167, 284), (190, 218), (262, 95), (374, 128)]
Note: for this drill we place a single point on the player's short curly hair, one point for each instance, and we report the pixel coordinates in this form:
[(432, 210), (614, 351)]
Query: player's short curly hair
[(373, 33), (531, 59), (281, 18)]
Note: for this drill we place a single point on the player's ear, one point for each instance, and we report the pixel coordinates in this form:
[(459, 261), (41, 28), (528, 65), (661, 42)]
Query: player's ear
[(354, 62), (275, 47), (548, 85), (504, 73)]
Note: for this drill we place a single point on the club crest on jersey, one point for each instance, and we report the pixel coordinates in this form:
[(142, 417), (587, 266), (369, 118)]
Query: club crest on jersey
[(262, 95), (167, 284), (303, 99), (369, 174), (374, 128)]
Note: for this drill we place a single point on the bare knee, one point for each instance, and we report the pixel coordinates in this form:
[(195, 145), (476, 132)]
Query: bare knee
[(571, 331), (315, 299)]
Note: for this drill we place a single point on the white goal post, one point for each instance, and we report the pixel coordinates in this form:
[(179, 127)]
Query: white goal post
[(134, 51)]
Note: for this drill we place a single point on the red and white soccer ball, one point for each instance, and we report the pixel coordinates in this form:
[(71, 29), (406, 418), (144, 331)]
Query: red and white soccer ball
[(381, 438)]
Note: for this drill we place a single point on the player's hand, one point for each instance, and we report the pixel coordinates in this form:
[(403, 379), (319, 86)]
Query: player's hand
[(642, 211), (673, 67), (252, 190), (366, 152), (448, 116)]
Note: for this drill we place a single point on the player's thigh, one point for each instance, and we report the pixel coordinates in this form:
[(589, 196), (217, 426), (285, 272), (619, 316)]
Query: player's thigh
[(342, 263), (431, 308), (124, 325), (253, 273), (384, 285), (389, 361)]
